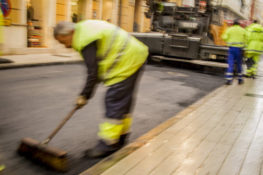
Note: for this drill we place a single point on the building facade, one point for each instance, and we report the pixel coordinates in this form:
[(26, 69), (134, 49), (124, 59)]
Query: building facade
[(28, 28)]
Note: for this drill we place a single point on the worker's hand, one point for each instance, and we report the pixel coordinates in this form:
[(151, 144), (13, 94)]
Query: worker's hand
[(81, 101)]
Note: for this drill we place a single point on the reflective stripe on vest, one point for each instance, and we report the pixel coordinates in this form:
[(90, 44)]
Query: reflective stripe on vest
[(251, 50), (257, 31), (235, 43), (119, 54), (113, 38)]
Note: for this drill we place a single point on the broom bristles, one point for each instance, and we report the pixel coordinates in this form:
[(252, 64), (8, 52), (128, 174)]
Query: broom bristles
[(49, 156)]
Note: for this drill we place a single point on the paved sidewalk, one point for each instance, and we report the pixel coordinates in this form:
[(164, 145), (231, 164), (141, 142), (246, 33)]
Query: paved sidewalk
[(30, 60), (220, 134), (39, 60)]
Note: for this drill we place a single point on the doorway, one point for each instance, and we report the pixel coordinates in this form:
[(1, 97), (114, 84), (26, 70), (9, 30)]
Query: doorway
[(34, 22)]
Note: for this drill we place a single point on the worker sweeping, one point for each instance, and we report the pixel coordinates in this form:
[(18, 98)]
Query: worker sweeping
[(254, 48), (115, 58), (235, 37)]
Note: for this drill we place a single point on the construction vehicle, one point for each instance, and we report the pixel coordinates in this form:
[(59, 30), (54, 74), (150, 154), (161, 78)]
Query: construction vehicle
[(192, 32)]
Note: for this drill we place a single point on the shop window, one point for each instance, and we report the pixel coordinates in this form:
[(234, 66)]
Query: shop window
[(34, 23)]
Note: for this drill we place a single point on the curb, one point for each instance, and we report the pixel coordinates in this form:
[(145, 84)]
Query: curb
[(25, 65), (113, 159)]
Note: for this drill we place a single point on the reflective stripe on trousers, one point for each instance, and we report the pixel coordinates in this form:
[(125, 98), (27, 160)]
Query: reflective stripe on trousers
[(111, 130), (229, 76), (252, 70)]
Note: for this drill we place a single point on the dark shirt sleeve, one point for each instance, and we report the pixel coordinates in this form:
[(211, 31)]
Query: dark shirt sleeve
[(91, 61)]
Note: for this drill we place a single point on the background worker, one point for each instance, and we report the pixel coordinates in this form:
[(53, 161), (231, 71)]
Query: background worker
[(115, 58), (254, 48), (235, 37)]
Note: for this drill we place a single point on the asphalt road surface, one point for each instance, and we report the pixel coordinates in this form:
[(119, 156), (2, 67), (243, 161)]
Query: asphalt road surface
[(34, 100)]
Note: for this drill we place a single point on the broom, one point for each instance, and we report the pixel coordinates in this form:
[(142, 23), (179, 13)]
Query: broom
[(40, 152)]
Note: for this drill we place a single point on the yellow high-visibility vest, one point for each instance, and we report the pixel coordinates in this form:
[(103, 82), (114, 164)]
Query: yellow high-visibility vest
[(235, 36), (120, 54)]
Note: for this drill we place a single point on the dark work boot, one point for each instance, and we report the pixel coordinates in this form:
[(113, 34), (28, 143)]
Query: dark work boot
[(124, 139), (240, 81), (228, 82), (101, 150)]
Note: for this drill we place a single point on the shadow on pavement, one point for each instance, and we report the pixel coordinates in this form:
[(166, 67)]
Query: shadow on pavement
[(4, 61)]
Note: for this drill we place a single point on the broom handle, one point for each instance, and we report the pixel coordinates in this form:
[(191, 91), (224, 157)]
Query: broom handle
[(48, 139)]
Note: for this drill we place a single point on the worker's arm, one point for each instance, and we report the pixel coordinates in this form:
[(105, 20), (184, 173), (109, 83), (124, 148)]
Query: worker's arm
[(91, 61)]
